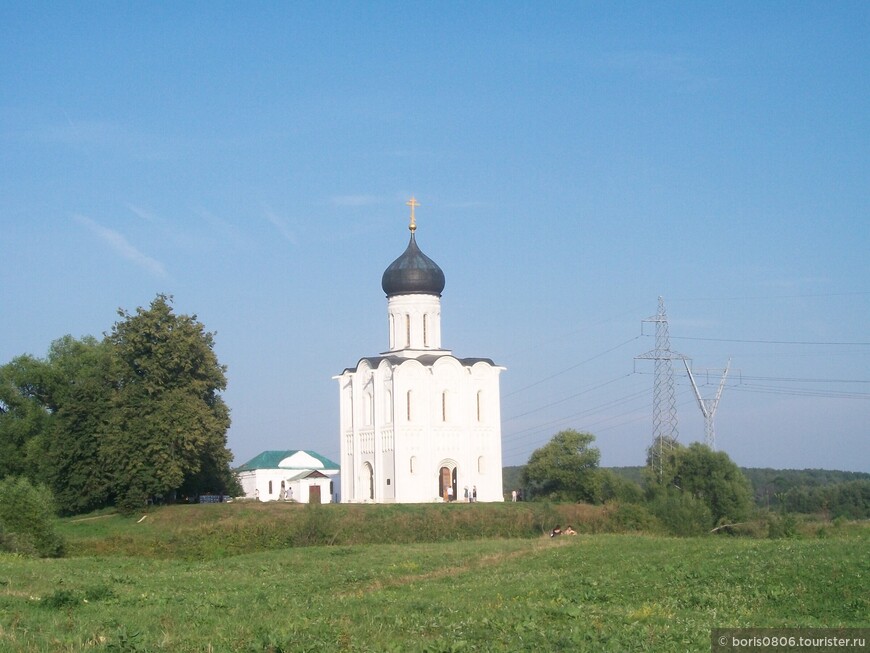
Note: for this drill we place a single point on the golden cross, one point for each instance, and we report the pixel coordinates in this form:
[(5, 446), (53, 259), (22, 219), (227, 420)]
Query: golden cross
[(413, 203)]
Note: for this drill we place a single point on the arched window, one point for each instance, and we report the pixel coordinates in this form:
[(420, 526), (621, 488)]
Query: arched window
[(407, 330), (347, 406), (425, 330), (392, 331), (444, 406), (481, 466), (270, 488), (413, 464), (388, 407), (369, 408), (409, 405), (479, 403)]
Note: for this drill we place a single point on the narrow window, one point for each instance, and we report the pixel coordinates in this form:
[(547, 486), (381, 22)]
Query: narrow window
[(425, 330), (481, 467), (443, 406), (270, 488), (392, 331), (409, 405), (388, 407), (407, 330), (478, 405), (413, 463)]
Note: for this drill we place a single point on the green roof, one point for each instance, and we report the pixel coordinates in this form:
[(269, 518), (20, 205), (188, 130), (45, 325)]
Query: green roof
[(270, 460)]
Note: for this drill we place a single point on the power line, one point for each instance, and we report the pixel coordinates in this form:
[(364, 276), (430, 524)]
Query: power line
[(564, 399), (776, 342), (568, 369), (784, 379)]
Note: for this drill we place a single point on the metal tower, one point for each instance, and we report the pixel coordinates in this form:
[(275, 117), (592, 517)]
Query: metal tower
[(708, 406), (664, 402)]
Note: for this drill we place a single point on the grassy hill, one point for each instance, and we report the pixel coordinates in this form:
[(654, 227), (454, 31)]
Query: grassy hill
[(135, 586), (203, 531)]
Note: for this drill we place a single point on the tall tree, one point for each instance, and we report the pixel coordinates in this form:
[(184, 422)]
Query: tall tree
[(24, 417), (168, 422), (80, 398), (706, 476), (566, 468), (715, 479)]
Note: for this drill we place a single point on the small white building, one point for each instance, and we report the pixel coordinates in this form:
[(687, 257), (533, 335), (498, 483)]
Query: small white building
[(302, 476), (417, 423)]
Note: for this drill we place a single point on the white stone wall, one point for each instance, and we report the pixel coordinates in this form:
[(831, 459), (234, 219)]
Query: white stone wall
[(454, 421)]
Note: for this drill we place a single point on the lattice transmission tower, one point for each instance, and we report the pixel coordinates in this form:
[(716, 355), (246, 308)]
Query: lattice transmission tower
[(708, 406), (665, 430)]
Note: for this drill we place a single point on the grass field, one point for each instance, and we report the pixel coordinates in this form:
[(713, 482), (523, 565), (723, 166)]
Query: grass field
[(600, 592)]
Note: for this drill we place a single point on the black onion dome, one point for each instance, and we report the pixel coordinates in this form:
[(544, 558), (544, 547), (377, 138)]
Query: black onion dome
[(413, 273)]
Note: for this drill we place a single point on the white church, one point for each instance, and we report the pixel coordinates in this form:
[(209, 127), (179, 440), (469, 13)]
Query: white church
[(418, 424)]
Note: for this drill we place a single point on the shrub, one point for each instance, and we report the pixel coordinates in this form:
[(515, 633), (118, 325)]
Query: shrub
[(631, 517), (681, 513), (784, 525), (27, 519)]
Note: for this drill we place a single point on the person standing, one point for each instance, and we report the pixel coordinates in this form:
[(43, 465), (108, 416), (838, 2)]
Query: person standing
[(514, 496), (474, 494)]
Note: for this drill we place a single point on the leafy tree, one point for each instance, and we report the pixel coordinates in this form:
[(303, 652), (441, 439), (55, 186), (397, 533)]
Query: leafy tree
[(681, 513), (661, 460), (24, 418), (565, 469), (707, 476), (714, 478), (168, 422), (122, 420), (80, 399), (613, 487)]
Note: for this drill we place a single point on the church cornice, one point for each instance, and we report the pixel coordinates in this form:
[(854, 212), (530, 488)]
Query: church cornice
[(426, 360)]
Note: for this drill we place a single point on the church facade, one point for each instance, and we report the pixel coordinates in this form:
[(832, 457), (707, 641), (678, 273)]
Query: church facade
[(418, 424)]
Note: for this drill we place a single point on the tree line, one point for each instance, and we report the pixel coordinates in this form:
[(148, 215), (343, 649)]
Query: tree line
[(687, 489), (134, 417)]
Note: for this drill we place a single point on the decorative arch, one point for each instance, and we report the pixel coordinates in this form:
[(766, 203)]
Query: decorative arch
[(369, 480), (369, 404)]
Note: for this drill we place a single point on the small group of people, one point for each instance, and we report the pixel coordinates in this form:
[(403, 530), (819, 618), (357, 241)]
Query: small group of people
[(516, 495), (569, 530), (470, 496)]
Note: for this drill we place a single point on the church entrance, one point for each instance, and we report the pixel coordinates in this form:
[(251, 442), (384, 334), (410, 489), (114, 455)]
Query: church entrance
[(314, 494), (447, 484)]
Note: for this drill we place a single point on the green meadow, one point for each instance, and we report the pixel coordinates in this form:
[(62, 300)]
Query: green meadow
[(419, 578)]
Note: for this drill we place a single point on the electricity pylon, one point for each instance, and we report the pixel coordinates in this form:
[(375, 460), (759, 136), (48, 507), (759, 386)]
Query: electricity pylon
[(708, 406), (664, 402)]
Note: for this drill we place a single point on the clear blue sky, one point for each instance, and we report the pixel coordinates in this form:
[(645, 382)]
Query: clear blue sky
[(573, 162)]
